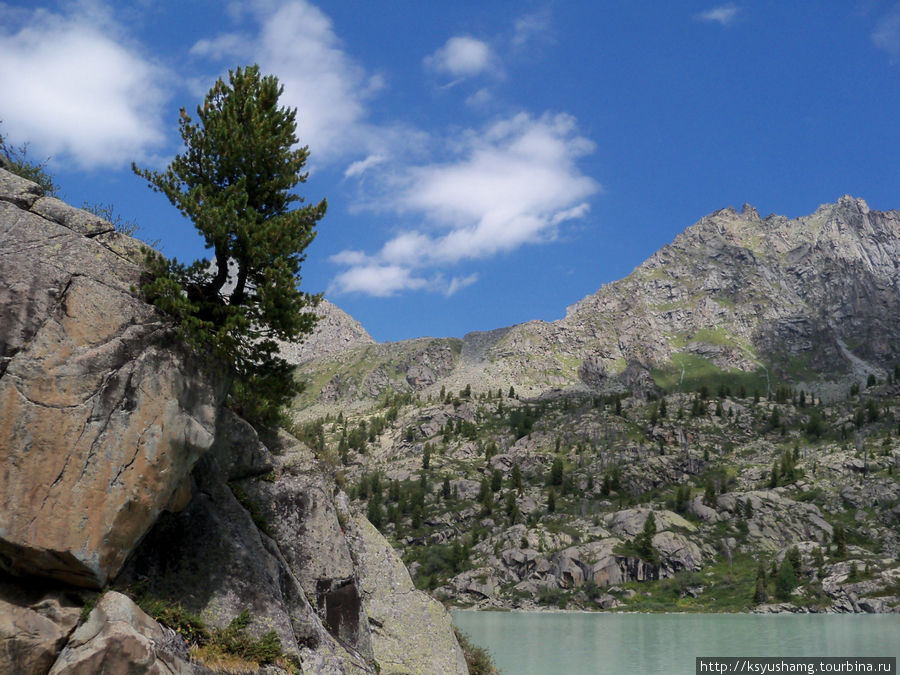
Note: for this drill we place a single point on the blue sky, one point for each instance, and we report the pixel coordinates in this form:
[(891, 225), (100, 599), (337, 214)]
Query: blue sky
[(484, 163)]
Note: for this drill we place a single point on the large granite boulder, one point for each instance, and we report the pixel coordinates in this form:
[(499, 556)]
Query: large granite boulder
[(103, 415)]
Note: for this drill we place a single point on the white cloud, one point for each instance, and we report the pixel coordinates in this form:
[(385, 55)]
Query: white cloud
[(296, 40), (723, 14), (227, 44), (363, 165), (480, 99), (510, 184), (457, 283), (886, 35), (462, 56), (81, 91), (531, 27), (378, 280)]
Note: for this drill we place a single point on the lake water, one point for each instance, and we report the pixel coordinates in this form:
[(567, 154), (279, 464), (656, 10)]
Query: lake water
[(574, 642)]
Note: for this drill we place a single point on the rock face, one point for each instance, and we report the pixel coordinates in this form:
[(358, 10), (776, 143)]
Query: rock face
[(103, 415), (299, 512), (740, 292), (121, 468), (34, 626), (398, 611), (335, 331)]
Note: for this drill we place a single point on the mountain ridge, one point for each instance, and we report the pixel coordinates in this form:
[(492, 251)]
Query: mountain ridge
[(812, 301)]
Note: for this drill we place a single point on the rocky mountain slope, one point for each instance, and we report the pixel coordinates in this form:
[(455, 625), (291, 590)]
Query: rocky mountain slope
[(740, 387), (143, 526), (812, 302)]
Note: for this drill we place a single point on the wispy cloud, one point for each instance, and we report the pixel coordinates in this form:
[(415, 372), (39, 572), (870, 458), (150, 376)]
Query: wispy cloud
[(457, 283), (81, 63), (360, 167), (886, 35), (530, 28), (723, 14), (463, 56), (508, 185)]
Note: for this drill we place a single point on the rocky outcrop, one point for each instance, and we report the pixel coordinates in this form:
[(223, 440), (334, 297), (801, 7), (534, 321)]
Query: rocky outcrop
[(104, 416), (299, 512), (335, 332), (212, 559), (739, 292), (121, 468)]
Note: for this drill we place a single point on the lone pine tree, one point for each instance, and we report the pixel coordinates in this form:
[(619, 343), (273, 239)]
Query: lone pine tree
[(234, 181)]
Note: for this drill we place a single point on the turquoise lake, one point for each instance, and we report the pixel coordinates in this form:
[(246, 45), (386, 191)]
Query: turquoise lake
[(522, 643)]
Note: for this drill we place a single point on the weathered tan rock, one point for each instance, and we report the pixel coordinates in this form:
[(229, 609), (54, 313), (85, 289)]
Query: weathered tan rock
[(118, 638), (34, 626), (411, 632), (629, 522), (103, 416)]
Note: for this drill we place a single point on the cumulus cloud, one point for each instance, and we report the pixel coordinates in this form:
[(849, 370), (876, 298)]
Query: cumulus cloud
[(297, 41), (508, 185), (76, 88), (462, 56), (379, 280), (886, 35), (723, 14)]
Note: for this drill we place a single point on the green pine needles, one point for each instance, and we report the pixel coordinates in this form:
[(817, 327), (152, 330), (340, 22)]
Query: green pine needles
[(234, 181)]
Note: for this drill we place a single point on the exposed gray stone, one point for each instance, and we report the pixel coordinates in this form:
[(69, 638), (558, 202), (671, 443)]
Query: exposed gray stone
[(411, 632)]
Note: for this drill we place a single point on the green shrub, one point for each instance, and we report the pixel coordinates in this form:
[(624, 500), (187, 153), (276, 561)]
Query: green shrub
[(478, 659), (212, 645), (17, 162)]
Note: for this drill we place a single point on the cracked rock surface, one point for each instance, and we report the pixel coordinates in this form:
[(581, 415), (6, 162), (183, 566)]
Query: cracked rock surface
[(103, 417)]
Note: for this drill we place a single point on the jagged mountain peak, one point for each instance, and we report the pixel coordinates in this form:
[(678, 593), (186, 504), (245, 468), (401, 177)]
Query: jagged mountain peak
[(813, 300)]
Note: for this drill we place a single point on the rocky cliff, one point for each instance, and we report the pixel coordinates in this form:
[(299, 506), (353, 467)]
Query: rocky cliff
[(121, 469)]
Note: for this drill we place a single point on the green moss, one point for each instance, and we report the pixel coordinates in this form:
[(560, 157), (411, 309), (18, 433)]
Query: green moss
[(698, 371), (712, 336)]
